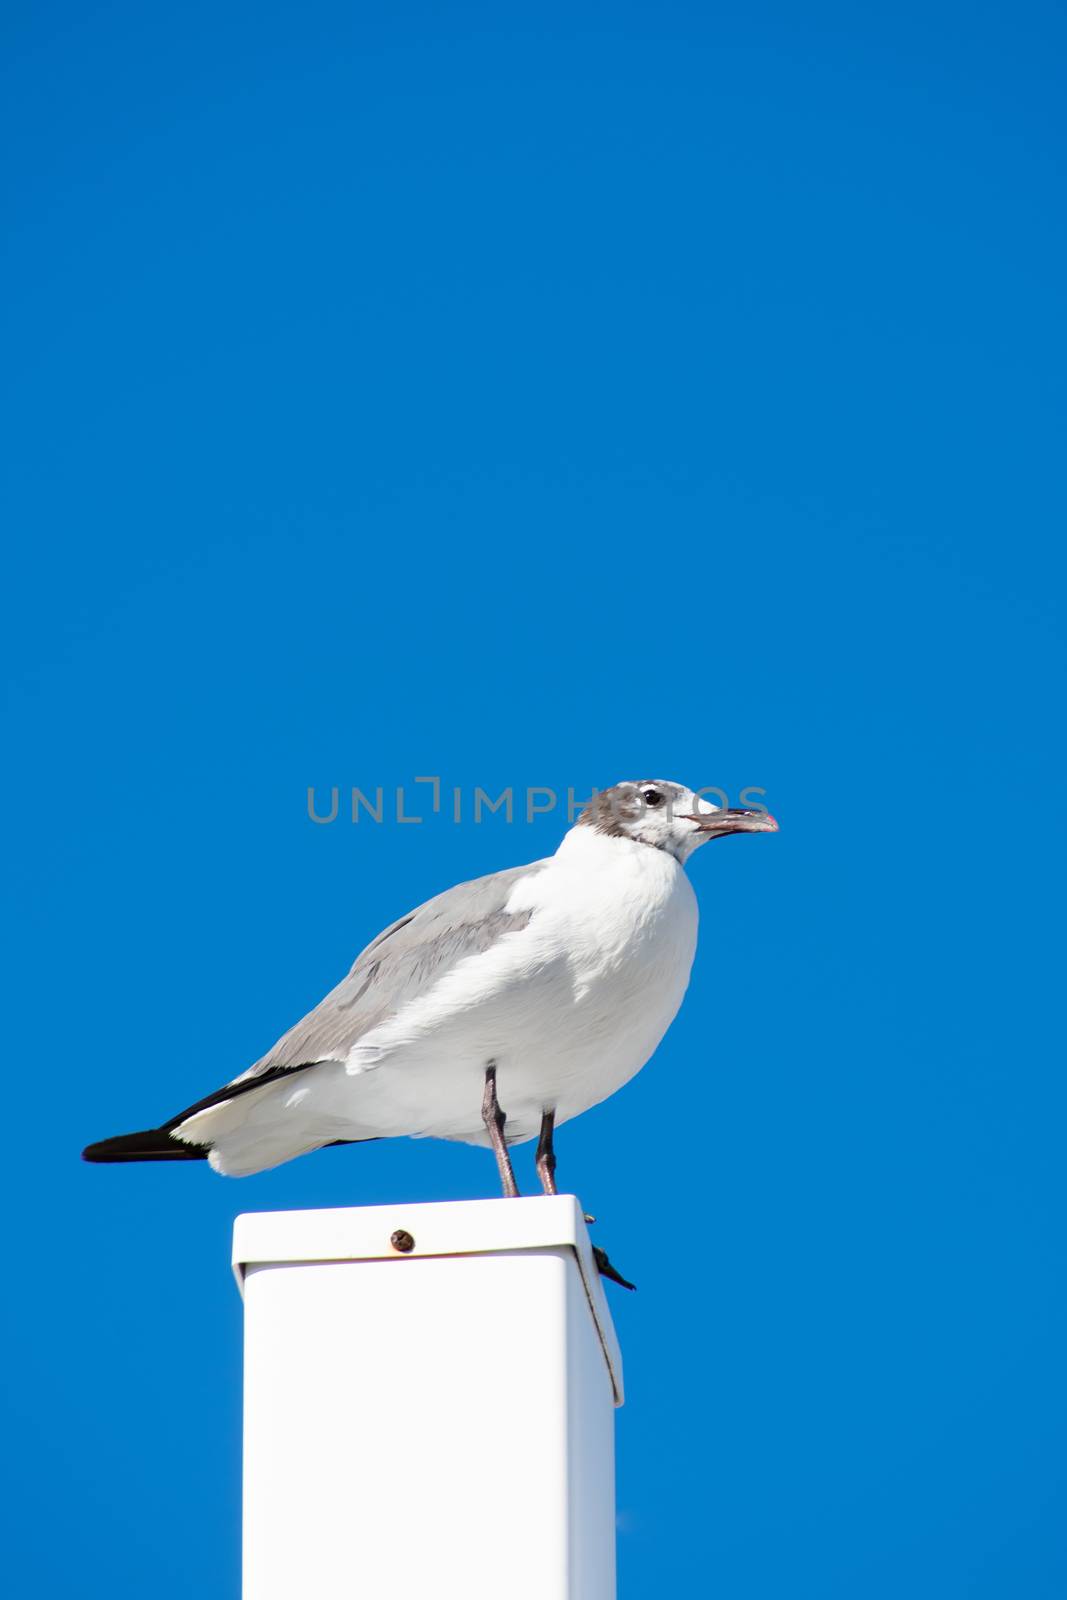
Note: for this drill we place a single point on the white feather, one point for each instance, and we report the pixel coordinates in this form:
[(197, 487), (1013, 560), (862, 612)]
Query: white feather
[(569, 1008)]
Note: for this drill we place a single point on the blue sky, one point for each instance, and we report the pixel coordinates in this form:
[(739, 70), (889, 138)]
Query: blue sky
[(547, 395)]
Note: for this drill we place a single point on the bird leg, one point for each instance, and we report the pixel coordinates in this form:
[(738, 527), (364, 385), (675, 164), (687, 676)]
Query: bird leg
[(545, 1160), (494, 1120)]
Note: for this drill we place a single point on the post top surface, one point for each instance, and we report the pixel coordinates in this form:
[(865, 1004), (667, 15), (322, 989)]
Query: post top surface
[(447, 1228)]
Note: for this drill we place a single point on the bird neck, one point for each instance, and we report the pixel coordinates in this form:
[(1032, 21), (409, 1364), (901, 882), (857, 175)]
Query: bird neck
[(587, 849)]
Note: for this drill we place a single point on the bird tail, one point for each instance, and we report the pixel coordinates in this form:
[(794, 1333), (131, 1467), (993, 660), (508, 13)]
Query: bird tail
[(244, 1127), (152, 1144), (165, 1143)]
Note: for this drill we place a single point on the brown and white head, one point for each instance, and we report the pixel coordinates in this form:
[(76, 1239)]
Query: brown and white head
[(668, 816)]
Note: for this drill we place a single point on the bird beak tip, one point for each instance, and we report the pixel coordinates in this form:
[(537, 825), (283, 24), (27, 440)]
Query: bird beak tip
[(719, 823)]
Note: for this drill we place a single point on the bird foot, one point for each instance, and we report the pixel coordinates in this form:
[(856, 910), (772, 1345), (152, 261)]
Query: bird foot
[(606, 1270)]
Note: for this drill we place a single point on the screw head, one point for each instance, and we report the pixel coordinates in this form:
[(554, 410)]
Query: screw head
[(402, 1240)]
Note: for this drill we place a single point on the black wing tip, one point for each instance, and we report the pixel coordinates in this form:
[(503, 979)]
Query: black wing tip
[(151, 1144), (159, 1144)]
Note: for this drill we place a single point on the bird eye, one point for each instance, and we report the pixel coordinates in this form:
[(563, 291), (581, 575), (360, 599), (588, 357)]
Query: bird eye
[(651, 797)]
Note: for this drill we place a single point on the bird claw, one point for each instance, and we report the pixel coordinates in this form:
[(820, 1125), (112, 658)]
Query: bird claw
[(606, 1270)]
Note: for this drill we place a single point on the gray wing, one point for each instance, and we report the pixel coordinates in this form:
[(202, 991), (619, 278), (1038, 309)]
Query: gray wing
[(398, 965)]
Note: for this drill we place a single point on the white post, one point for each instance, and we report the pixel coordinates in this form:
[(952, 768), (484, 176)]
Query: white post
[(429, 1395)]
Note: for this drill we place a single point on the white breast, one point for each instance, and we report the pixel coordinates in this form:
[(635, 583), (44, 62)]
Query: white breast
[(627, 917), (569, 1008)]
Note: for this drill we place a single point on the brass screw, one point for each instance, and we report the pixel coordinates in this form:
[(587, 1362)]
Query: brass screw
[(402, 1240)]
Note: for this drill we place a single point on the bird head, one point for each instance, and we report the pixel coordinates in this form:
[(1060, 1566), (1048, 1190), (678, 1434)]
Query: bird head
[(668, 816)]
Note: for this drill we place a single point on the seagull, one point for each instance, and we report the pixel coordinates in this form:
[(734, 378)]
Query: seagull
[(491, 1014)]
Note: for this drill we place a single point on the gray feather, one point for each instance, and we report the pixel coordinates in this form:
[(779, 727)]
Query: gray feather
[(399, 965)]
